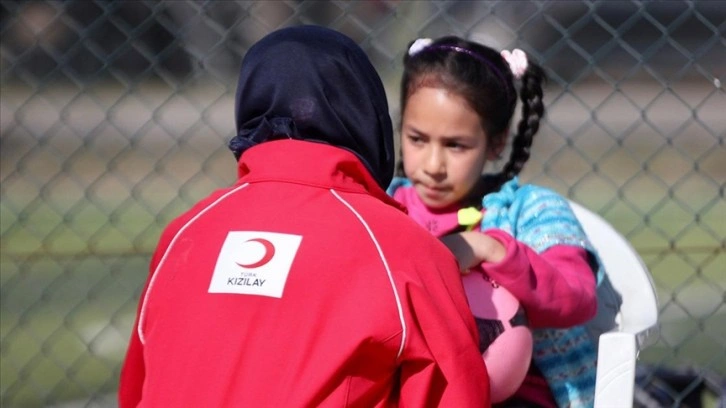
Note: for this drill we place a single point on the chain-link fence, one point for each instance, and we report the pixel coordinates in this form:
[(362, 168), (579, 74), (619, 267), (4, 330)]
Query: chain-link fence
[(114, 117)]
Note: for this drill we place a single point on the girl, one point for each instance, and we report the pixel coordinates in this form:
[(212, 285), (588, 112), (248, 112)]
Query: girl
[(457, 102)]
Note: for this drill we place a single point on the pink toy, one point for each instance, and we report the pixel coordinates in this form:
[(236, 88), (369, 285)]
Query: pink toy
[(504, 338)]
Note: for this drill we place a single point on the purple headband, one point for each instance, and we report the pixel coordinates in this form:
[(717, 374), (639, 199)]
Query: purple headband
[(423, 45)]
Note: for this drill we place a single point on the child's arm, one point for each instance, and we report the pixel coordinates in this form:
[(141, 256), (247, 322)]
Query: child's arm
[(472, 248), (556, 287)]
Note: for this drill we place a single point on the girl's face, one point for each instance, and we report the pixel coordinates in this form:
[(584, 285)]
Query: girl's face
[(444, 146)]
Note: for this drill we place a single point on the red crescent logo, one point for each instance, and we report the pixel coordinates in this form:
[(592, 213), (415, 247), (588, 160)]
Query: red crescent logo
[(269, 253)]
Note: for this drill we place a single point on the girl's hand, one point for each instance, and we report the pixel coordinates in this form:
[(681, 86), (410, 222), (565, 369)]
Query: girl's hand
[(471, 248)]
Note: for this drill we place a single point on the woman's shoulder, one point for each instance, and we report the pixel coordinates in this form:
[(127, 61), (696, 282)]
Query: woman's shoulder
[(539, 195), (527, 189), (513, 193)]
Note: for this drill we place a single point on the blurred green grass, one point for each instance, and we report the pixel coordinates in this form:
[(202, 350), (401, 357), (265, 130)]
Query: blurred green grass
[(64, 326)]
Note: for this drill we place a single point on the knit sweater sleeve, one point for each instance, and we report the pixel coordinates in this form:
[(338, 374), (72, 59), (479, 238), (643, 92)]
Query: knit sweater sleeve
[(556, 287)]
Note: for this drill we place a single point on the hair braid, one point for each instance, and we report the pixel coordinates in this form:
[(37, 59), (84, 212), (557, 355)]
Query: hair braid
[(532, 112)]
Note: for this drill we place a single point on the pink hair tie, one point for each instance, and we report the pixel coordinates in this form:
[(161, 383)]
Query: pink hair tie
[(517, 61)]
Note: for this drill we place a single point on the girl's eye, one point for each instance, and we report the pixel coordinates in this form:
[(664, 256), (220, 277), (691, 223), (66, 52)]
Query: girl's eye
[(456, 146), (415, 139)]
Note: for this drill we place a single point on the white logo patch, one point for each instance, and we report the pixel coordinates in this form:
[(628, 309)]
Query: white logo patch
[(254, 263)]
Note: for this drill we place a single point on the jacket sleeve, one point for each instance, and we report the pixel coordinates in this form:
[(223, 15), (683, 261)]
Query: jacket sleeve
[(441, 364), (133, 370), (556, 287)]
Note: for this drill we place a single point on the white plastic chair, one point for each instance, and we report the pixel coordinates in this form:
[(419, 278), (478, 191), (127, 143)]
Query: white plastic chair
[(637, 318)]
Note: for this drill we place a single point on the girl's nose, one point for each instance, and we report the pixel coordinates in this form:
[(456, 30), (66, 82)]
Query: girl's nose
[(435, 163)]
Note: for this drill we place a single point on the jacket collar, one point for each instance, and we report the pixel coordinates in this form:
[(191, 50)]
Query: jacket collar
[(310, 163)]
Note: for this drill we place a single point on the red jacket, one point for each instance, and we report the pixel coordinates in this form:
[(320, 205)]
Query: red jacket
[(303, 285)]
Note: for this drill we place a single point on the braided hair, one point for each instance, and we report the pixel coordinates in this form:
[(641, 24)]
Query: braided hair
[(484, 79)]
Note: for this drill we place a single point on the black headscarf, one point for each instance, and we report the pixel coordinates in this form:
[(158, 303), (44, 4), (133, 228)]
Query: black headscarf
[(313, 83)]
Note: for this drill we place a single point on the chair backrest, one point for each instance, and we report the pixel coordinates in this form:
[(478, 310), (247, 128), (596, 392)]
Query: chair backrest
[(628, 275)]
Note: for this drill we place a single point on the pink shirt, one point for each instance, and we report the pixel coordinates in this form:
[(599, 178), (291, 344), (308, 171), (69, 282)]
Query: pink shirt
[(555, 287)]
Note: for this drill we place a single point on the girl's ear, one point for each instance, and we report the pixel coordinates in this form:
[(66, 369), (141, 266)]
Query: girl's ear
[(497, 145)]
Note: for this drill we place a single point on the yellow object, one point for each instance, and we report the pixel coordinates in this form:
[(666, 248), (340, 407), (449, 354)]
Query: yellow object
[(469, 217)]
